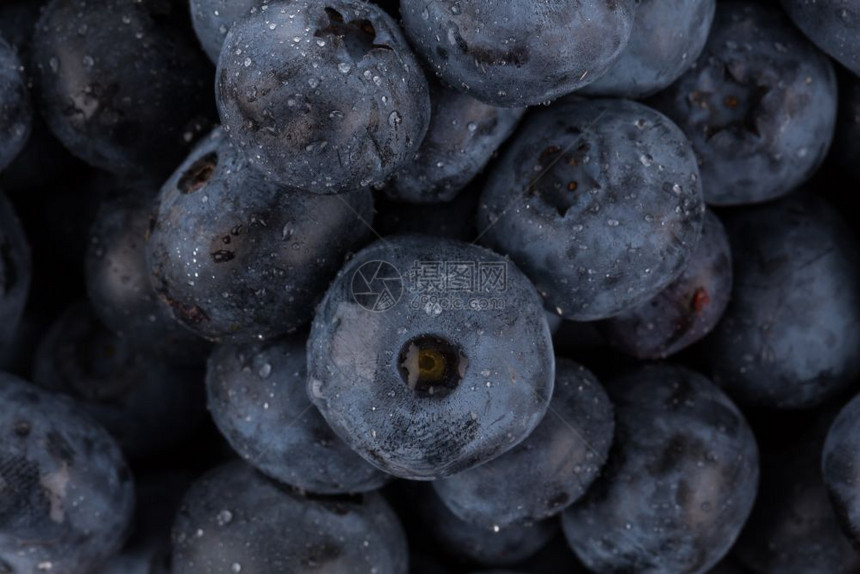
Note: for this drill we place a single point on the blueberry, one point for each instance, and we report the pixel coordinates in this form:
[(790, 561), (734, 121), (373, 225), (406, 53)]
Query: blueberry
[(685, 311), (475, 543), (120, 387), (235, 520), (67, 496), (789, 337), (548, 471), (120, 287), (518, 53), (15, 272), (793, 528), (832, 26), (839, 464), (239, 257), (599, 202), (323, 96), (430, 356), (16, 115), (759, 105), (212, 19), (122, 84), (464, 133), (258, 399), (667, 38), (680, 481)]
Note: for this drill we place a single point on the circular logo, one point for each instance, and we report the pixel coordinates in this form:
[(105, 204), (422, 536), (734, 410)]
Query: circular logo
[(377, 286)]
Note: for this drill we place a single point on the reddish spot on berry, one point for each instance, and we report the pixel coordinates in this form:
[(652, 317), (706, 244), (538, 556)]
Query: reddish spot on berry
[(700, 300)]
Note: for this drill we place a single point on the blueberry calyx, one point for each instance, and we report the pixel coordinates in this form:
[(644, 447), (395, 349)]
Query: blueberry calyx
[(431, 365), (357, 35), (199, 174)]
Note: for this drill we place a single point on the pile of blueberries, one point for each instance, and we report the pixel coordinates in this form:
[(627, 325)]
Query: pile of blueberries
[(429, 286)]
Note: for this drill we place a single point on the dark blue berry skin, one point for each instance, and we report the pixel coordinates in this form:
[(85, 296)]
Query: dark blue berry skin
[(521, 53), (832, 26), (122, 84), (258, 398), (67, 497), (146, 404), (759, 105), (793, 528), (15, 272), (235, 520), (489, 340), (840, 463), (846, 146), (790, 337), (238, 257), (464, 134), (479, 544), (549, 470), (680, 481), (344, 106), (120, 287), (212, 19), (16, 114), (667, 38), (598, 202), (685, 311), (148, 549)]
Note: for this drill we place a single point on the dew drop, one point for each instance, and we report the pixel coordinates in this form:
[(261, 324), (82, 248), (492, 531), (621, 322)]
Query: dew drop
[(265, 371), (224, 518)]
